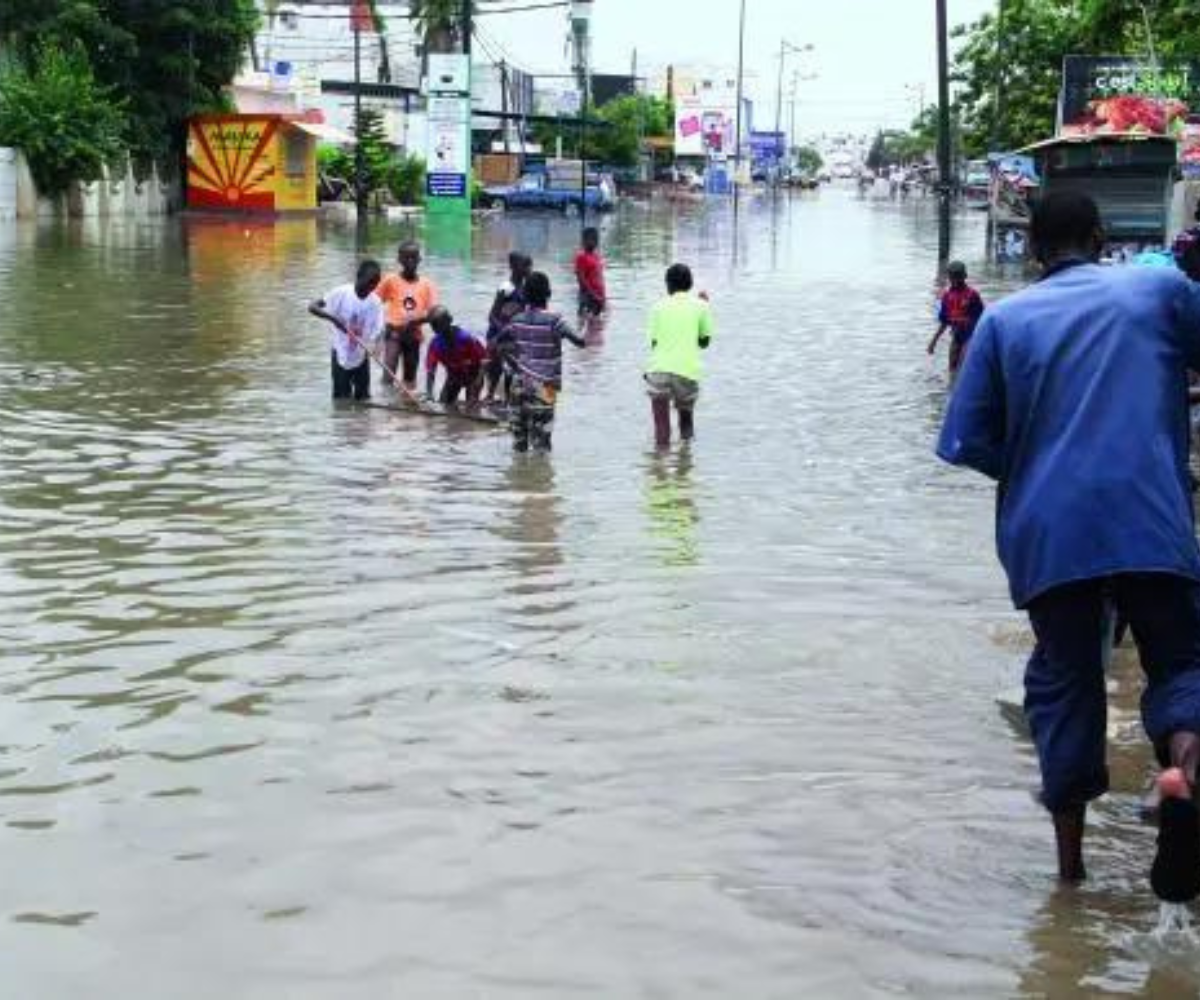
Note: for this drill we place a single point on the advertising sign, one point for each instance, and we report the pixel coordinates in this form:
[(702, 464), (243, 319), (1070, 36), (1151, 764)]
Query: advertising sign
[(767, 147), (449, 73), (448, 138), (1103, 95), (704, 130), (448, 154)]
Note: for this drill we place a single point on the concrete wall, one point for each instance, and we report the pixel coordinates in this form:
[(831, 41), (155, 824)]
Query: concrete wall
[(8, 184), (107, 196)]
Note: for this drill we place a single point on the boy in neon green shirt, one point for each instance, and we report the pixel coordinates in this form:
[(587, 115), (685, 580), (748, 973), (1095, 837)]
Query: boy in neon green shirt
[(681, 326)]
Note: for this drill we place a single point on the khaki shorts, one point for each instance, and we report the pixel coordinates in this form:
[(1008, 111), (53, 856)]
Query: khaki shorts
[(683, 392)]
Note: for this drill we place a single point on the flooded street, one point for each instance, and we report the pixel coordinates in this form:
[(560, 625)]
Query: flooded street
[(306, 702)]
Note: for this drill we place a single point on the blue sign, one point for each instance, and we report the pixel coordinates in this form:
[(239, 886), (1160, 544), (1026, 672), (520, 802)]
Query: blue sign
[(768, 145), (446, 185)]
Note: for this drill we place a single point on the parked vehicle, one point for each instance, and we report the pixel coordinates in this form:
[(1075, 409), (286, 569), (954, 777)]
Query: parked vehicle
[(536, 190), (977, 184)]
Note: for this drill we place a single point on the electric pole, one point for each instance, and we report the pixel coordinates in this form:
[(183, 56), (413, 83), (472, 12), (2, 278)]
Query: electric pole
[(360, 167), (945, 186)]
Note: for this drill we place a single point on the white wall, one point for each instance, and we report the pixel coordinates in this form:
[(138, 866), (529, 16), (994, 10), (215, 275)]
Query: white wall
[(8, 184)]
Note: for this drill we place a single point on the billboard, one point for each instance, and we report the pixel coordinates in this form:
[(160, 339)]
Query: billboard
[(448, 134), (768, 147), (1103, 95), (703, 129)]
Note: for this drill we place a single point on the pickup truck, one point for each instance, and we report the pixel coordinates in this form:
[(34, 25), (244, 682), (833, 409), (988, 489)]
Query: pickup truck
[(534, 191)]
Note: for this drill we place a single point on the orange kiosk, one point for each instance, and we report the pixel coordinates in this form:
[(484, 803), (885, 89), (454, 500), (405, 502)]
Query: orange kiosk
[(254, 163)]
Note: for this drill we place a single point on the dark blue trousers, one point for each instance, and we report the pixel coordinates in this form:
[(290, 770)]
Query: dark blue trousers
[(1065, 696)]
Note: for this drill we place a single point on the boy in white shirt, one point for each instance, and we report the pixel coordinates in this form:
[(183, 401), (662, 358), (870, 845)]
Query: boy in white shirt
[(356, 313)]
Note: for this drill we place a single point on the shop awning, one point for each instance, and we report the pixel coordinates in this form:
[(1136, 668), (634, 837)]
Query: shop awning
[(323, 132)]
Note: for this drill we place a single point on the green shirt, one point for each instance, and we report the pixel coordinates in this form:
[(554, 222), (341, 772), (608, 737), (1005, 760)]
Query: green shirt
[(676, 325)]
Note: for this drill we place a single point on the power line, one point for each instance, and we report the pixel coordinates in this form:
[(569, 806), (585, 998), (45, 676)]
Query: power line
[(407, 15), (548, 5)]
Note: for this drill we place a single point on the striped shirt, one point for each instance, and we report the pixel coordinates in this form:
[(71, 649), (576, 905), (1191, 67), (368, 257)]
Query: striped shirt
[(538, 336)]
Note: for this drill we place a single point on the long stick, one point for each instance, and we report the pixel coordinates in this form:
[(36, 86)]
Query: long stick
[(407, 393)]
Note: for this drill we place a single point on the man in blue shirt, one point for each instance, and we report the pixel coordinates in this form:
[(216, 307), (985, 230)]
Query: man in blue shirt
[(1074, 398)]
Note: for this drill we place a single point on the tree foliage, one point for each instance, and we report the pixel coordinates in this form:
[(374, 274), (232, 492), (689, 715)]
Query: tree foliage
[(438, 23), (1008, 67), (67, 124), (627, 122), (808, 159), (376, 153), (163, 61)]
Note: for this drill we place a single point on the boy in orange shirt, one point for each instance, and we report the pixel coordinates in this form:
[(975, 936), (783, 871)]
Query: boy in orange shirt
[(408, 298)]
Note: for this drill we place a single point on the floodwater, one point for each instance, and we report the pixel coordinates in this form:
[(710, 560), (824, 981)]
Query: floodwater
[(305, 702)]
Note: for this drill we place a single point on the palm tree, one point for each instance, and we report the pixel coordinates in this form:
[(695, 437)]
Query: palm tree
[(437, 24)]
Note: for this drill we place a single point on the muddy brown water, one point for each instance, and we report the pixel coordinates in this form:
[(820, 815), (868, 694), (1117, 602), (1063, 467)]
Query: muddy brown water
[(303, 702)]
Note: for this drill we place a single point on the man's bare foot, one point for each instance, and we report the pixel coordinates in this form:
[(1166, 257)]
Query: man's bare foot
[(1175, 875), (1068, 836)]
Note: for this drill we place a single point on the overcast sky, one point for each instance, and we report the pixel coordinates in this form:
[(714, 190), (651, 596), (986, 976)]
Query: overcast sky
[(869, 55)]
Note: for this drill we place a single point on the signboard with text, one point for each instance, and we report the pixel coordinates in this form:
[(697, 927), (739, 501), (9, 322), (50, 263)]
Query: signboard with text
[(1103, 95), (448, 157), (448, 143)]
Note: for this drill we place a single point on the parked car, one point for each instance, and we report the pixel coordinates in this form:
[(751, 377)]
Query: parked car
[(535, 191)]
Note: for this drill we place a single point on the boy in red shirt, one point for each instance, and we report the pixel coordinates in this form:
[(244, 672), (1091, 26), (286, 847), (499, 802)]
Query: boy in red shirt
[(589, 272), (959, 312), (460, 354)]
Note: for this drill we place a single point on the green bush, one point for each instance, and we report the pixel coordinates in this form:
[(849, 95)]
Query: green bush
[(335, 162), (66, 124), (406, 179)]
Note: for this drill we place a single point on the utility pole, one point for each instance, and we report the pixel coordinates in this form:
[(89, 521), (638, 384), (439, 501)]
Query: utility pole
[(504, 101), (467, 29), (785, 47), (945, 186), (737, 129), (360, 167), (792, 143), (999, 109)]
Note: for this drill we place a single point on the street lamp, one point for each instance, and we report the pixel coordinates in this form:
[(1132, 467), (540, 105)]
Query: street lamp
[(797, 79), (917, 92), (785, 48), (737, 139)]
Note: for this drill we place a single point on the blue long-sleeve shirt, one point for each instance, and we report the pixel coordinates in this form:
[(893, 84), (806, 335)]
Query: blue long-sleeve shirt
[(1074, 397)]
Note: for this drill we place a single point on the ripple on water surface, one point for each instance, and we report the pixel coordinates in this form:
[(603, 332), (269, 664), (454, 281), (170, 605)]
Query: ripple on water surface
[(310, 701)]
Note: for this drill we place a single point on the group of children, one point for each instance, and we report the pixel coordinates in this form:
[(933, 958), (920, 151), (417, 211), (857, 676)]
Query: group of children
[(521, 362)]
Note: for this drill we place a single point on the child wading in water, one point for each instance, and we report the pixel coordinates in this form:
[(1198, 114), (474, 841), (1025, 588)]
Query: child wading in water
[(532, 349), (681, 326), (357, 316), (460, 354), (409, 298), (589, 272), (959, 311), (510, 300)]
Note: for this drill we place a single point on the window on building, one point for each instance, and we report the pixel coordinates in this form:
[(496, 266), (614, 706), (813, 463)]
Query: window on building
[(289, 19), (295, 153)]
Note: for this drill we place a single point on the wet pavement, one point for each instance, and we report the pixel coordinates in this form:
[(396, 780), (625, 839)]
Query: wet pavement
[(303, 701)]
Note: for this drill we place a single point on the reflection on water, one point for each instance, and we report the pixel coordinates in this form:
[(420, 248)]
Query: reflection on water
[(309, 701), (671, 506)]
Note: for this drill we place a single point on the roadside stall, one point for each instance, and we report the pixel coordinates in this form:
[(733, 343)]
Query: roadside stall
[(1130, 175)]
